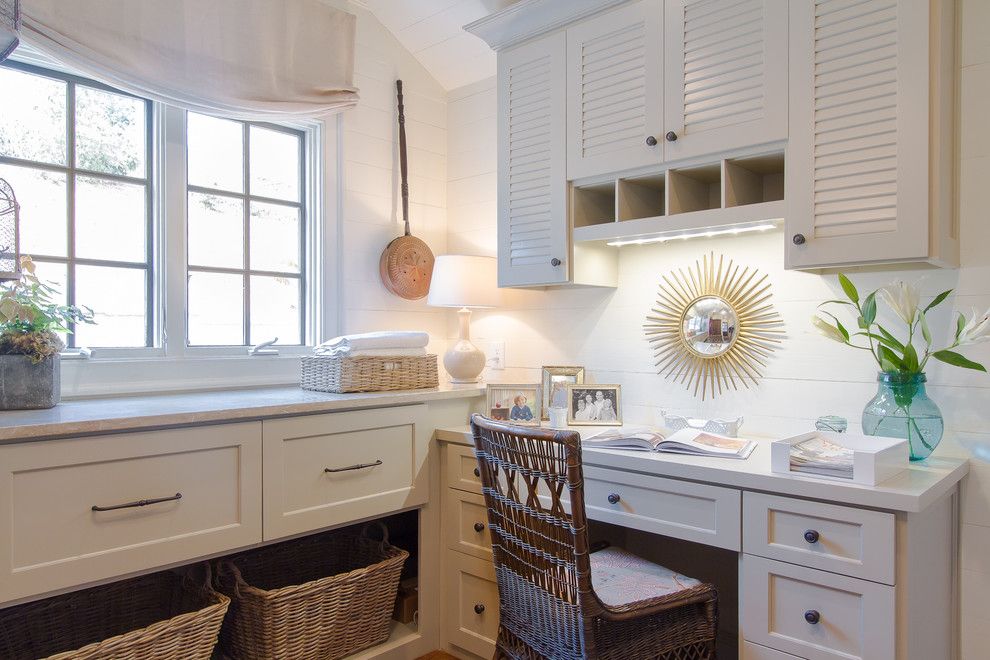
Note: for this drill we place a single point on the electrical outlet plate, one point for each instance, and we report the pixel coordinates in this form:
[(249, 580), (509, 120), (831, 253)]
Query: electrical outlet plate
[(496, 355)]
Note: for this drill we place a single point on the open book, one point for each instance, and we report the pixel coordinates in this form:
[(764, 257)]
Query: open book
[(685, 441)]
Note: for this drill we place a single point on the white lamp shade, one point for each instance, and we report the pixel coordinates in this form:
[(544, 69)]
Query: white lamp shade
[(463, 281)]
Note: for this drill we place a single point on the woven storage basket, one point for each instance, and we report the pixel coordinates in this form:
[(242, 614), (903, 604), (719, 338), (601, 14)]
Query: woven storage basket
[(322, 597), (151, 617), (369, 373)]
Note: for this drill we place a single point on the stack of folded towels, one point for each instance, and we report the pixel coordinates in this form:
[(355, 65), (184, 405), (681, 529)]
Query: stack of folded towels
[(389, 342)]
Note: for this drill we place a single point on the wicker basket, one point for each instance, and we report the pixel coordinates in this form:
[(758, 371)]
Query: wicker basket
[(322, 597), (151, 617), (369, 373)]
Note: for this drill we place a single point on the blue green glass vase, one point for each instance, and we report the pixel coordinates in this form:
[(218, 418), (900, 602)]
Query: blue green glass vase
[(902, 409)]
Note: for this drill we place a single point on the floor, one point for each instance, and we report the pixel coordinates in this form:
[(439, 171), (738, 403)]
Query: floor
[(437, 655)]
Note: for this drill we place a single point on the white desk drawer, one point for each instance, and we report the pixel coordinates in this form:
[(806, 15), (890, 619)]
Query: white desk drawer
[(471, 604), (56, 539), (465, 522), (756, 652), (460, 468), (855, 618), (326, 470), (841, 539), (681, 509)]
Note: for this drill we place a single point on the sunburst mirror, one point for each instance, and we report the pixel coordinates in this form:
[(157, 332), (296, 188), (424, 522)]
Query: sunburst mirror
[(713, 326)]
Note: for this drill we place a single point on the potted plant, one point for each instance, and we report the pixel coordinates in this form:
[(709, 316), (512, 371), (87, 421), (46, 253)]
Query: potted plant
[(901, 407), (30, 321)]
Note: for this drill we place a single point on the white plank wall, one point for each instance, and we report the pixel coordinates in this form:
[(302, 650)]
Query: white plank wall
[(810, 376)]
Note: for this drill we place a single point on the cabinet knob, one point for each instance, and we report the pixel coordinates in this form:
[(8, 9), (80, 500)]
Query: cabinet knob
[(671, 136), (651, 141), (479, 527), (613, 498), (555, 262), (811, 535), (798, 239), (812, 616), (477, 472), (479, 608)]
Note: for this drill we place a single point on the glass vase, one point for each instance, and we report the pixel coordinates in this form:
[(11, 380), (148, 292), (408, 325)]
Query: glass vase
[(902, 409)]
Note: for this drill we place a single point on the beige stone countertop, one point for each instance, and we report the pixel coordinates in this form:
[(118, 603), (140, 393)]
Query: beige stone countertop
[(131, 413)]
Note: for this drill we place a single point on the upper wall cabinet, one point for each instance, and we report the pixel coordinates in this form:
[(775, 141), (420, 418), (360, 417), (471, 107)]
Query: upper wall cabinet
[(614, 78), (869, 160), (725, 75)]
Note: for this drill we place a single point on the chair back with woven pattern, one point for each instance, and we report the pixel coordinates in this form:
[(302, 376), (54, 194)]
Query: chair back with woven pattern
[(540, 550)]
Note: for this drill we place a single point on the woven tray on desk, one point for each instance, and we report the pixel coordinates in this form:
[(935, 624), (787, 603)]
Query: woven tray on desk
[(368, 373)]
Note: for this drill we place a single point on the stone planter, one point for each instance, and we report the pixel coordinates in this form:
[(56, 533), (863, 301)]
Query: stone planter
[(24, 385)]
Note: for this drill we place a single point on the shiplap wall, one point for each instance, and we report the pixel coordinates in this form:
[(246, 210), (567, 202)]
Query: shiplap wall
[(809, 376)]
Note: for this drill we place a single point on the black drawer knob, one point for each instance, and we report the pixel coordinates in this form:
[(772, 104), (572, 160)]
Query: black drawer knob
[(812, 616), (811, 535), (477, 472), (651, 141), (671, 136), (613, 498), (799, 239), (479, 527), (479, 608), (555, 262)]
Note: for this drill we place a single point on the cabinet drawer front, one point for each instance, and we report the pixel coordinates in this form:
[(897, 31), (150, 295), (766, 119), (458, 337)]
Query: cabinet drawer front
[(50, 490), (465, 522), (325, 470), (684, 510), (471, 603), (855, 617), (849, 541), (756, 652), (461, 468)]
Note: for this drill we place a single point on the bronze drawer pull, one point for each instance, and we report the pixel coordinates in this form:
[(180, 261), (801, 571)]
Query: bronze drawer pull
[(479, 608), (132, 505), (359, 466), (479, 527)]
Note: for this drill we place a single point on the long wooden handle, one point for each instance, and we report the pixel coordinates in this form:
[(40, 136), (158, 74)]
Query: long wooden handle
[(403, 167)]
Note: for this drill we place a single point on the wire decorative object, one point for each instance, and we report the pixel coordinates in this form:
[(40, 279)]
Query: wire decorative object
[(10, 254), (713, 326)]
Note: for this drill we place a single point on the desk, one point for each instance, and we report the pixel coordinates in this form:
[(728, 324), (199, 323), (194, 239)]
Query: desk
[(876, 566)]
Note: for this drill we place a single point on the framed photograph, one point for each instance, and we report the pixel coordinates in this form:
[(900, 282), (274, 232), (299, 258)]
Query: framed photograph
[(594, 405), (515, 404), (555, 382)]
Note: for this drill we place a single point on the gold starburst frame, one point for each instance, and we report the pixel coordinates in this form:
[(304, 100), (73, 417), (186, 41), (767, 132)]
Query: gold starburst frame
[(739, 358)]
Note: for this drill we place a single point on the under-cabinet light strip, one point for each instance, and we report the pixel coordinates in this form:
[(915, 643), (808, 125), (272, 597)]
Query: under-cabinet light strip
[(708, 233)]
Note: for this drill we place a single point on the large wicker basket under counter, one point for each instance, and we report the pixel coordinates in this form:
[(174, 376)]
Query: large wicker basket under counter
[(368, 373)]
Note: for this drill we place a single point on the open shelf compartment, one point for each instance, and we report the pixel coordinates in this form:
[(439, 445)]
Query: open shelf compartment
[(754, 179), (694, 189), (593, 204), (641, 197)]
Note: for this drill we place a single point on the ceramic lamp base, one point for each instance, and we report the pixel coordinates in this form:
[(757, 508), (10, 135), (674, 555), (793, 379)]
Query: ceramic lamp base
[(464, 362)]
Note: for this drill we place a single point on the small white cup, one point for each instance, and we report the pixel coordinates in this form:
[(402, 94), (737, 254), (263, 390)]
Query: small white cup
[(558, 418)]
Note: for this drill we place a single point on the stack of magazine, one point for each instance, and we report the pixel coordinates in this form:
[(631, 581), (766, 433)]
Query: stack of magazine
[(819, 455), (686, 441)]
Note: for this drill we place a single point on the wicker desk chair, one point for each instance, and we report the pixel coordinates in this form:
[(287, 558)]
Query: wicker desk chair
[(557, 601)]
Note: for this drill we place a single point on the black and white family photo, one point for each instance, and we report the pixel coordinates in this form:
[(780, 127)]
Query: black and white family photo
[(598, 404)]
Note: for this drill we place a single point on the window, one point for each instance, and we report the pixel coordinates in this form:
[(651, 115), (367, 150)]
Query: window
[(78, 155)]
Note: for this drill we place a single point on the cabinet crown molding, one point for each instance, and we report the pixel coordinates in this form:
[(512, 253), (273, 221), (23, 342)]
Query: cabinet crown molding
[(530, 18)]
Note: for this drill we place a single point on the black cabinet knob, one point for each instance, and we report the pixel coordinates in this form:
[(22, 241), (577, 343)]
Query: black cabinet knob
[(477, 472), (671, 136), (613, 498), (651, 141), (811, 535), (555, 262), (479, 608), (798, 239), (812, 616), (479, 527)]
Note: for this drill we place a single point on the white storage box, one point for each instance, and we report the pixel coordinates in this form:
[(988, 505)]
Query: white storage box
[(875, 459)]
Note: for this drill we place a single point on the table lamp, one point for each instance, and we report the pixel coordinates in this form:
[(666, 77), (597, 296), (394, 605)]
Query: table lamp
[(465, 282)]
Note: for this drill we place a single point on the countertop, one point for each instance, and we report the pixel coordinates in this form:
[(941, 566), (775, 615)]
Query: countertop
[(918, 486), (131, 413)]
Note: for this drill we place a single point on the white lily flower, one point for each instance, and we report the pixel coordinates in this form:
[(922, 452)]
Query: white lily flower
[(828, 330), (977, 330), (903, 298)]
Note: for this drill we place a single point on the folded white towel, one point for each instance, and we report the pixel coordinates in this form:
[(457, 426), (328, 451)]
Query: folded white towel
[(347, 344), (391, 352)]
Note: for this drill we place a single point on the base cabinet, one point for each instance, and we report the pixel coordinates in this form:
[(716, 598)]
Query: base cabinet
[(471, 616)]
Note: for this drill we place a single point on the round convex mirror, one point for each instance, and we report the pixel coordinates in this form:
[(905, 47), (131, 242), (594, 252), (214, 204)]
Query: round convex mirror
[(709, 326)]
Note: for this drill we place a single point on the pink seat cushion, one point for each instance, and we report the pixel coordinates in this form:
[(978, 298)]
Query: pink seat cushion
[(621, 578)]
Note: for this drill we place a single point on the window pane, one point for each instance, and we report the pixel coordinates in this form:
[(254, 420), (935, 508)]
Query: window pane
[(32, 124), (117, 297), (216, 152), (216, 231), (110, 132), (216, 309), (274, 237), (110, 220), (274, 164), (42, 198), (275, 309), (54, 275)]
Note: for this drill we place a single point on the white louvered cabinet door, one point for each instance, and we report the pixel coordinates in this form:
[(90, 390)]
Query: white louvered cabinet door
[(614, 74), (858, 153), (532, 179), (725, 73)]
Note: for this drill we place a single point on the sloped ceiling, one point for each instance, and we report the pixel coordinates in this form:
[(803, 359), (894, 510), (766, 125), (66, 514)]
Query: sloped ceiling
[(432, 31)]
